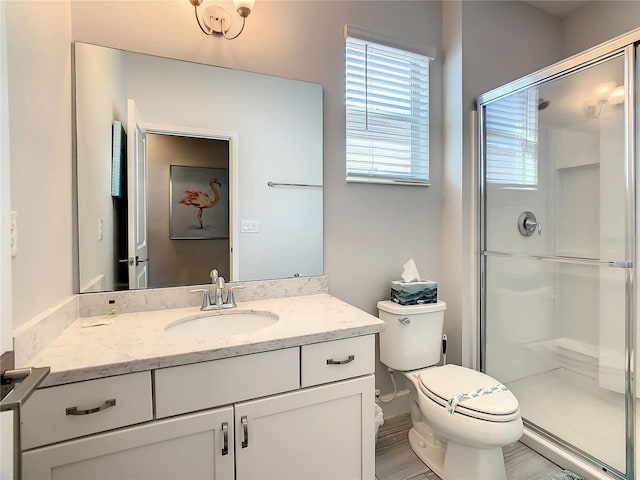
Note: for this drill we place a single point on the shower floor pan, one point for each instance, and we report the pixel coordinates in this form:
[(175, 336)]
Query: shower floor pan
[(575, 409)]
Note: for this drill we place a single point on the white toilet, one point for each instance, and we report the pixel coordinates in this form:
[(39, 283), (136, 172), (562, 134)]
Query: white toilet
[(461, 417)]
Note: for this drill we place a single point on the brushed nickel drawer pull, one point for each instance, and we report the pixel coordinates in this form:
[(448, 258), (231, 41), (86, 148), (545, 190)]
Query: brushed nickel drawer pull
[(104, 406), (349, 359), (225, 438), (245, 431)]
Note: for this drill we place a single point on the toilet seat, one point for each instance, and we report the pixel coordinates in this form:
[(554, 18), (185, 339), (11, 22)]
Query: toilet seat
[(440, 384)]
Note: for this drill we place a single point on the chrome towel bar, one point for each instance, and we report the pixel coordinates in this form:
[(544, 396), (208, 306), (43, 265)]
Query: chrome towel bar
[(275, 184)]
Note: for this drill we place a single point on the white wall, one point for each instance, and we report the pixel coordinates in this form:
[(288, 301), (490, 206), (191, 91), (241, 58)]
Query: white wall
[(6, 342), (100, 99), (39, 73)]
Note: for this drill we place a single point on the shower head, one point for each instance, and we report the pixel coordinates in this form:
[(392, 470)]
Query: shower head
[(542, 103)]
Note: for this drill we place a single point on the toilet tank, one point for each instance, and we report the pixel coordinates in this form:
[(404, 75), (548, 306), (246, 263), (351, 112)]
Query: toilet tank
[(412, 337)]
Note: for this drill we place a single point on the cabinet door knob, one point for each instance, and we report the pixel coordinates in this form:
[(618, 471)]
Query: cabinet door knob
[(349, 359), (89, 411), (225, 438), (245, 431)]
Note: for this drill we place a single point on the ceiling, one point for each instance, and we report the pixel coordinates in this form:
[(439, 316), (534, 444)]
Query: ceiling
[(559, 8)]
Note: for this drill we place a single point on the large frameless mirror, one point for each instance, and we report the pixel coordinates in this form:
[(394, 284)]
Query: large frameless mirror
[(184, 168)]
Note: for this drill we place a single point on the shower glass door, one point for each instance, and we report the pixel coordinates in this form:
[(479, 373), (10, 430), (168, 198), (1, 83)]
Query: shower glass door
[(556, 256)]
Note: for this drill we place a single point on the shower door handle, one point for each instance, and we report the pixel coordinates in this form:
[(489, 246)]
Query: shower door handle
[(621, 264)]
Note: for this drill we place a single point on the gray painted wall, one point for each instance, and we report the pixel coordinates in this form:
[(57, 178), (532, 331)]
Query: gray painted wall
[(369, 230), (367, 235)]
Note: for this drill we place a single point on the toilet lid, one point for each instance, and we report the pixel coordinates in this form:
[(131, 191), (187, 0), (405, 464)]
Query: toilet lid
[(441, 384)]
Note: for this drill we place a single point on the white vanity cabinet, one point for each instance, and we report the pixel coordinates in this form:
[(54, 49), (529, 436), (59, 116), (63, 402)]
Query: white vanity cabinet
[(186, 447), (297, 413), (322, 433)]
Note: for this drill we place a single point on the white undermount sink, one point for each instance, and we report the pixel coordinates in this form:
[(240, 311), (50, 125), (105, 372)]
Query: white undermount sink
[(221, 323)]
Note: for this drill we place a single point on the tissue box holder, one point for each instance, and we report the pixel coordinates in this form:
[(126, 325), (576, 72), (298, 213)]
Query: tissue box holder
[(414, 293)]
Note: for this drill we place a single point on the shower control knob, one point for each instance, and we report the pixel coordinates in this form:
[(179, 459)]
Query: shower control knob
[(528, 224)]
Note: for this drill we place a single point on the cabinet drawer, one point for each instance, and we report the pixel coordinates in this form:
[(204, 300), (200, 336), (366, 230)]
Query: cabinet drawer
[(188, 388), (49, 415), (337, 360)]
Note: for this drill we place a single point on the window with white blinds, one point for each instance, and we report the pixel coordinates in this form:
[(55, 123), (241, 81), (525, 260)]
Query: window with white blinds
[(512, 140), (387, 105)]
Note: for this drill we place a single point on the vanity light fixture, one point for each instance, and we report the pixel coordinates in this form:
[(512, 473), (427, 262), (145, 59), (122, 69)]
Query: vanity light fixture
[(604, 96), (616, 97), (216, 20)]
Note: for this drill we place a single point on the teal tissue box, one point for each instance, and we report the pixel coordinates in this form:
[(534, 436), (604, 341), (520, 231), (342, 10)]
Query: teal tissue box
[(414, 293)]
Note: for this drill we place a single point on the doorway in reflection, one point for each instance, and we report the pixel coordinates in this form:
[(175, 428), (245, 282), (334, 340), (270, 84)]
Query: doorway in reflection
[(177, 259)]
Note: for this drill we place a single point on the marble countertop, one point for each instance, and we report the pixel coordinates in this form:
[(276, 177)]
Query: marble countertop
[(133, 342)]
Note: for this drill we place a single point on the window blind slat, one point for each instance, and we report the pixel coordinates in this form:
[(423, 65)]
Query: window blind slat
[(387, 108), (512, 140)]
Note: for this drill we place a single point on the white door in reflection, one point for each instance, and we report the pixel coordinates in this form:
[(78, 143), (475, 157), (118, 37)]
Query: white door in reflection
[(138, 247)]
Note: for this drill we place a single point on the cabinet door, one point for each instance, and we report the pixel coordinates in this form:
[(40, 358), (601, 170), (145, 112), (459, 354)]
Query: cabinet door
[(184, 447), (323, 433)]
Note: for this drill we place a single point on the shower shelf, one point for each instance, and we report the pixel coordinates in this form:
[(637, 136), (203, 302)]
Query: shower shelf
[(573, 149)]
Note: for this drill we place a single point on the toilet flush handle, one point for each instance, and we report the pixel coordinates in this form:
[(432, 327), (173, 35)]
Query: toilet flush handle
[(404, 320)]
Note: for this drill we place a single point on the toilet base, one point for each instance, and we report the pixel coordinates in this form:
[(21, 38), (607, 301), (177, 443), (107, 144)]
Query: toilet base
[(452, 461), (430, 452)]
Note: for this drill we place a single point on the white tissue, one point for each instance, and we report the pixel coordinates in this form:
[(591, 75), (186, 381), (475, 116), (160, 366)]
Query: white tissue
[(410, 272)]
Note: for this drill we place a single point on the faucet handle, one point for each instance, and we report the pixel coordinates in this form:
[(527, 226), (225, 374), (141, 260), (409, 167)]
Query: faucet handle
[(206, 298), (214, 276), (231, 301)]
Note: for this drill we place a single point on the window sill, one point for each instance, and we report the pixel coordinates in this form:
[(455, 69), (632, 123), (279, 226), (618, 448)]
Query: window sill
[(388, 181)]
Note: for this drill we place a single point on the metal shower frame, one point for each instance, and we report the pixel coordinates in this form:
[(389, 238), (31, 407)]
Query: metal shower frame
[(628, 47)]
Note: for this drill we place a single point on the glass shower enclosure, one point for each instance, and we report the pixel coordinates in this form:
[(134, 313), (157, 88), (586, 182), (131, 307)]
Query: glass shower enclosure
[(558, 155)]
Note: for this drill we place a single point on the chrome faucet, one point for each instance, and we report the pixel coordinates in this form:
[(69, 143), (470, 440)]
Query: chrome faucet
[(220, 302), (206, 298), (219, 292)]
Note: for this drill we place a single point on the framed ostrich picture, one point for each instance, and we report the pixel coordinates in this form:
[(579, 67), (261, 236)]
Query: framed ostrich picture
[(199, 203)]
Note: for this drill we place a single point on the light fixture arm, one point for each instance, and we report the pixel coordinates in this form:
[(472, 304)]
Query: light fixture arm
[(237, 34), (195, 11)]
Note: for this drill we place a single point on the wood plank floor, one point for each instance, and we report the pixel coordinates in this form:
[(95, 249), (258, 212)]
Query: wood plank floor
[(396, 461)]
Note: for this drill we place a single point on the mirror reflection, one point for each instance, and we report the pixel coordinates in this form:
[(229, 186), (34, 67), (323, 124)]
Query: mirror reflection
[(184, 168)]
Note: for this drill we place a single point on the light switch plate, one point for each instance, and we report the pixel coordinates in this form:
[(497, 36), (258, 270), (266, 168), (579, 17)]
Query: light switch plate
[(249, 226)]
